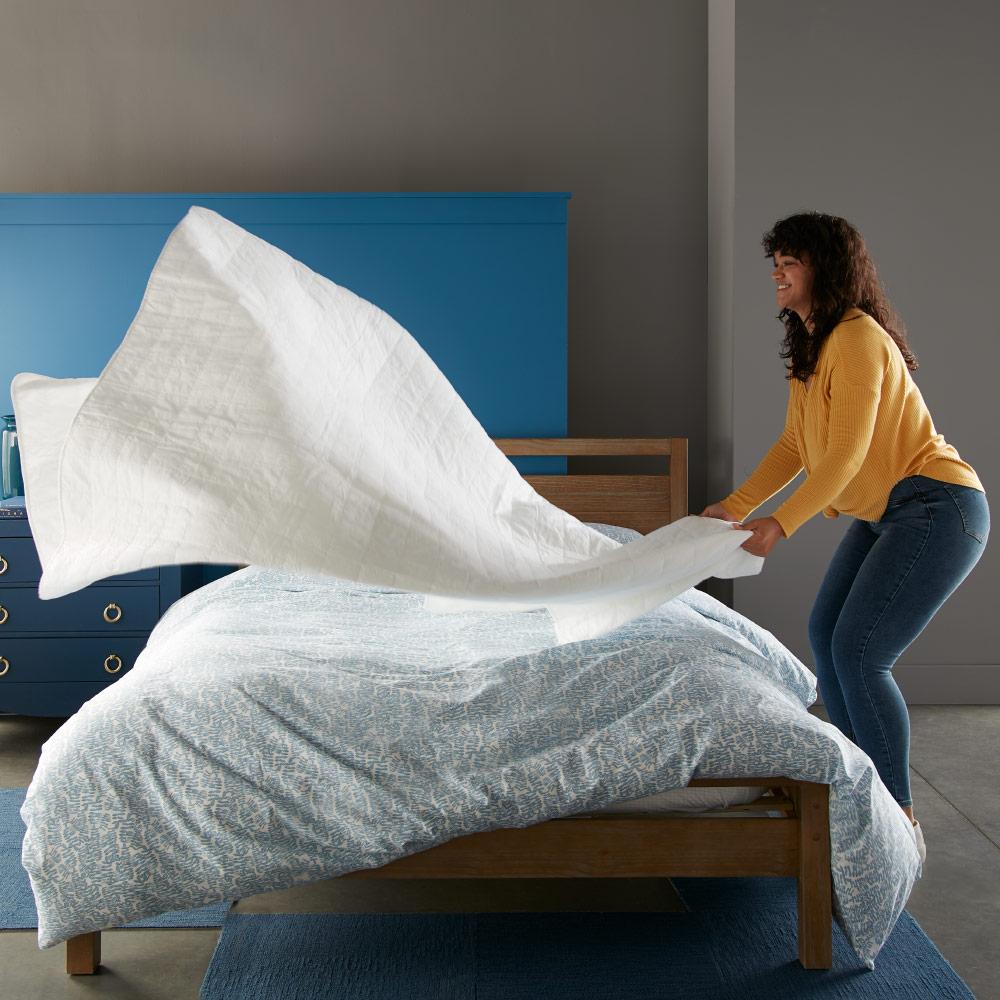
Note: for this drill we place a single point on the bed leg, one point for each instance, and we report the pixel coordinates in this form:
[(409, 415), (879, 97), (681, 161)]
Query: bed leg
[(83, 954), (815, 891)]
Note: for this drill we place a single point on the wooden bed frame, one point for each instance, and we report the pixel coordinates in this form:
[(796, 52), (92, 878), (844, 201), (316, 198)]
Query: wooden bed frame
[(795, 843)]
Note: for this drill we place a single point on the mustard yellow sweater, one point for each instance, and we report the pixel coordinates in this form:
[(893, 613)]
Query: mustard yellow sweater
[(858, 429)]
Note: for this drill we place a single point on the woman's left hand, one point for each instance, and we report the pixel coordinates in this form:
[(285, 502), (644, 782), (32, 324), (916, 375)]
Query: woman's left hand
[(766, 532)]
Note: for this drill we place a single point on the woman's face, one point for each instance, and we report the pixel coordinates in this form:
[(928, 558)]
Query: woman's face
[(793, 279)]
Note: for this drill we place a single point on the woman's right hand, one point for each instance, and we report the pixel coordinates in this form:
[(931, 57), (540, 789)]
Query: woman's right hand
[(717, 510)]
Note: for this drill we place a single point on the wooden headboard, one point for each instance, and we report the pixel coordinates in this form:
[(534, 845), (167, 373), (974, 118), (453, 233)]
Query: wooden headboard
[(642, 502)]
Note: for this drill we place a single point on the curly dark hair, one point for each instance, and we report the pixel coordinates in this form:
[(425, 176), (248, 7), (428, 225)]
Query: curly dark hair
[(844, 277)]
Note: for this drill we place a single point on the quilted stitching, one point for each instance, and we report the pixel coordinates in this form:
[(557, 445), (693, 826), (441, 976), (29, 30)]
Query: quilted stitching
[(258, 413)]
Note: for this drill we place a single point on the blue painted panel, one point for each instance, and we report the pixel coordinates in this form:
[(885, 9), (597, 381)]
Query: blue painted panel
[(478, 279), (315, 208)]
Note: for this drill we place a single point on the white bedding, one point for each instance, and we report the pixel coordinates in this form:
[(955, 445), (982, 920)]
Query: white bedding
[(258, 413)]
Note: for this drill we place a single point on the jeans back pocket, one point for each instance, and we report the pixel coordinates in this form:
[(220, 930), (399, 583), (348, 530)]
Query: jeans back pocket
[(973, 508)]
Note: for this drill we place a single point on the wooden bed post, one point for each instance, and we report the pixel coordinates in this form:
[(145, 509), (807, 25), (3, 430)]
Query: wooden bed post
[(815, 902), (83, 954)]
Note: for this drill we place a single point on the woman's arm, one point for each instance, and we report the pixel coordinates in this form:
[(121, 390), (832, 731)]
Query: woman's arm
[(774, 472)]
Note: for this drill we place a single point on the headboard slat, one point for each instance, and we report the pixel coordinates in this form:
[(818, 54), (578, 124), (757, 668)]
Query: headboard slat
[(642, 502), (603, 447), (639, 502)]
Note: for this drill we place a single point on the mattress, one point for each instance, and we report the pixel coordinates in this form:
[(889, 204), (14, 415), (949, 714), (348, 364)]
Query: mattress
[(685, 801)]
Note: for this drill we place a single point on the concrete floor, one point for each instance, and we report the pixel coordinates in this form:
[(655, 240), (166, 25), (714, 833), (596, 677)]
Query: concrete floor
[(955, 760)]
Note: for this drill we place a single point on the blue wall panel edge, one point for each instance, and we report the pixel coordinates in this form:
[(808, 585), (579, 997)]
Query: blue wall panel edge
[(311, 208)]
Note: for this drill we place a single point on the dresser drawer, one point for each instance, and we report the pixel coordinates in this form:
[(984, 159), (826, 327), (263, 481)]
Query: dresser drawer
[(55, 655), (66, 659), (19, 564), (54, 700), (19, 561), (96, 609)]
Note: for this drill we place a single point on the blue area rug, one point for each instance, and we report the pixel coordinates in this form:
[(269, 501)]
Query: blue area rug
[(737, 943), (17, 904)]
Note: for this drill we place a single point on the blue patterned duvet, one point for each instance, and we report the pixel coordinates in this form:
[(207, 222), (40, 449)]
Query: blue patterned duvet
[(281, 728)]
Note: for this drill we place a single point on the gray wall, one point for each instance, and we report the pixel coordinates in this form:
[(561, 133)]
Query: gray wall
[(884, 113), (606, 100), (684, 129)]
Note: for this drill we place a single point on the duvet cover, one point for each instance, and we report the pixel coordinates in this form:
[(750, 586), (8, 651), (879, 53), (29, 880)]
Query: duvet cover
[(280, 728)]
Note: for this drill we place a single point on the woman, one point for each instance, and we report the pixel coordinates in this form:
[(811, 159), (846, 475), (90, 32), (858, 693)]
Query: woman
[(857, 423)]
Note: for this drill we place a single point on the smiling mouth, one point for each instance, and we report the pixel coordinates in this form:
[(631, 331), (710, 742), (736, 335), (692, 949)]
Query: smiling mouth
[(781, 288)]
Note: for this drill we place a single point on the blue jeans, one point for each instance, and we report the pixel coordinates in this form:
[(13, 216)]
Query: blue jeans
[(885, 582)]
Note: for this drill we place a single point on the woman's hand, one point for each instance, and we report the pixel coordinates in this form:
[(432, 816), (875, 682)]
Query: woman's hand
[(766, 532), (717, 510)]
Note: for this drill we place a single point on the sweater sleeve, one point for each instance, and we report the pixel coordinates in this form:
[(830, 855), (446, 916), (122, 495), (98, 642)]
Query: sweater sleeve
[(855, 388), (775, 471)]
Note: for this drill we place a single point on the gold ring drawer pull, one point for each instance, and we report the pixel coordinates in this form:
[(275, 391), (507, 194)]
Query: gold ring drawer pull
[(4, 565), (4, 615), (112, 663), (4, 665), (112, 613)]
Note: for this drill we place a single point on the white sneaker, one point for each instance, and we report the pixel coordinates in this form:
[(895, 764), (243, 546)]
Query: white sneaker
[(918, 836)]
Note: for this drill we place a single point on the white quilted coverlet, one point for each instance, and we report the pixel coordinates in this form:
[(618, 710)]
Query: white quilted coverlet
[(258, 413)]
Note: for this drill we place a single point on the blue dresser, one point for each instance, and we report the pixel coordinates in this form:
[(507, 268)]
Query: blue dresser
[(54, 655)]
